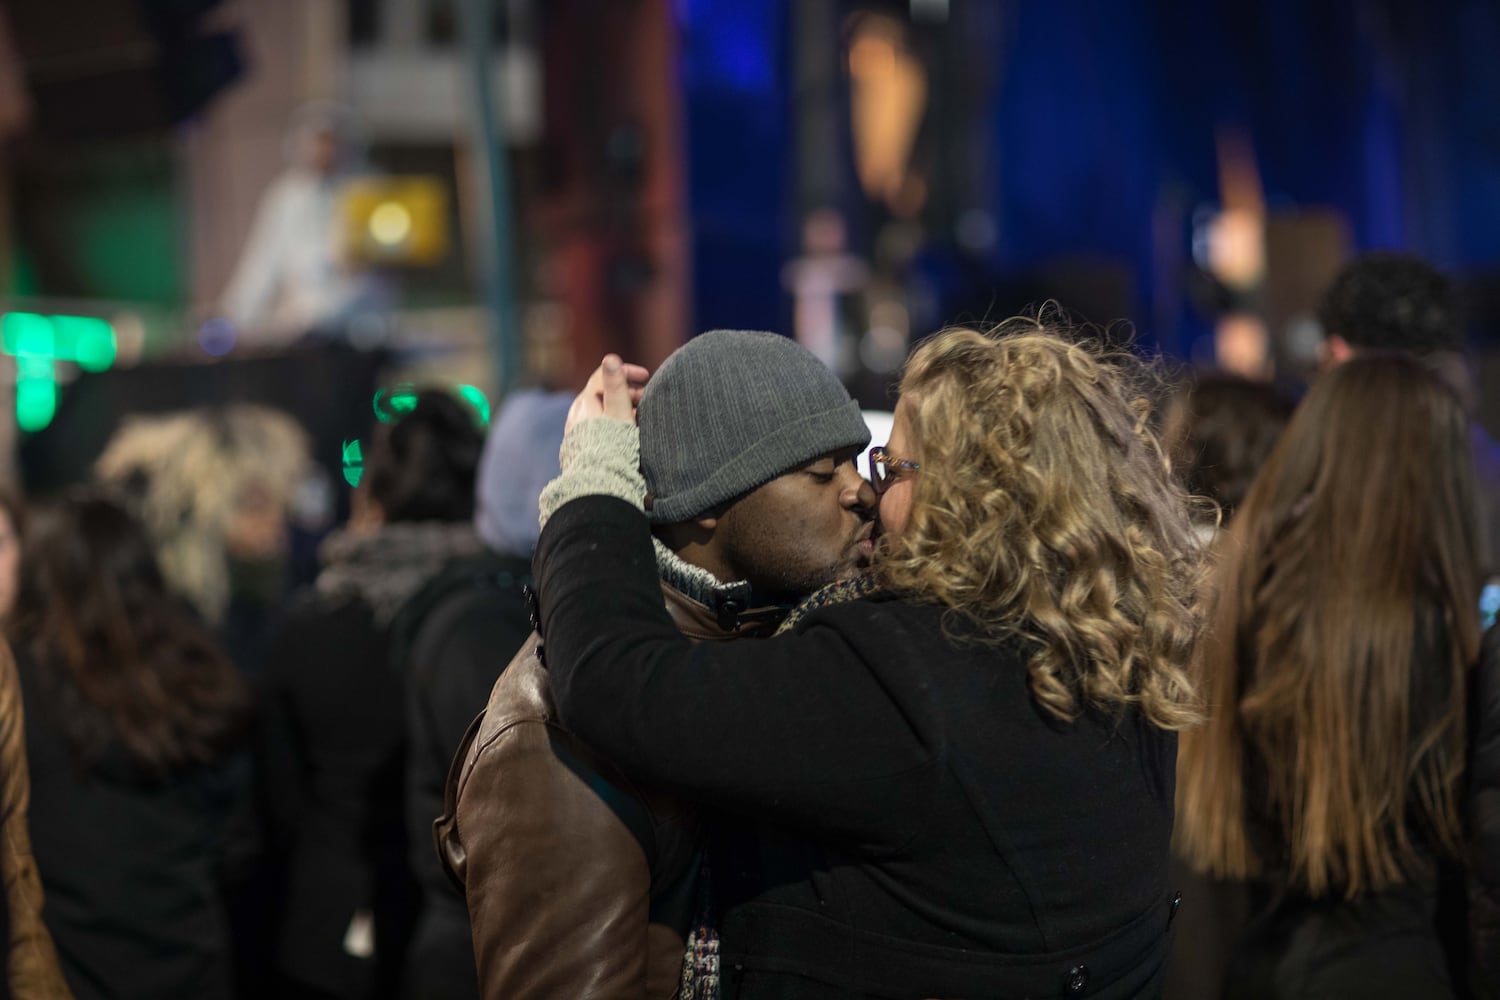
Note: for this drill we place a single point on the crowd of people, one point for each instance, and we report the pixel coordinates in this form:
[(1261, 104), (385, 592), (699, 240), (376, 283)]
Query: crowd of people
[(1100, 685)]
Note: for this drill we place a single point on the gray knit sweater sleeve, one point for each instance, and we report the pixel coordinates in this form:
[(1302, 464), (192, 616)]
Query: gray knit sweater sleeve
[(599, 456)]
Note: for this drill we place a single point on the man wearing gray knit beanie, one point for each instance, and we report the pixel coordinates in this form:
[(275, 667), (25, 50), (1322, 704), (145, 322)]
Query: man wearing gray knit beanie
[(578, 882)]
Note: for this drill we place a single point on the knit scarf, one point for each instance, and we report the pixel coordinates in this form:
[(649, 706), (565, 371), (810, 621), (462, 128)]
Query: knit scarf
[(388, 566), (700, 960), (696, 582)]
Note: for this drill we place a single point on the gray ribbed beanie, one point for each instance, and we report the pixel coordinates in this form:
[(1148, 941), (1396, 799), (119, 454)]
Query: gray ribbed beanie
[(731, 410)]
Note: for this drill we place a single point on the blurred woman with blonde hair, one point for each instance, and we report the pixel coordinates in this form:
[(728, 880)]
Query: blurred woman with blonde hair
[(955, 777), (211, 485)]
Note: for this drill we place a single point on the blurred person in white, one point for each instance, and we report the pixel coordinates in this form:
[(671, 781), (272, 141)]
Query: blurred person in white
[(295, 275)]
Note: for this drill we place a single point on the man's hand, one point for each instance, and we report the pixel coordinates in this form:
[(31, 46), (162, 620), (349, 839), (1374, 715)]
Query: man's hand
[(612, 391)]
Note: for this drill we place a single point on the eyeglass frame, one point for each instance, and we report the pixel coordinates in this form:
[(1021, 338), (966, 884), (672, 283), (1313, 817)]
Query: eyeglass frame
[(884, 470)]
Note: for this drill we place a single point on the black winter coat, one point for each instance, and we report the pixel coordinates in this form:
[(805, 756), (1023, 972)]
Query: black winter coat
[(1427, 937), (333, 744), (1483, 807), (937, 833), (130, 863), (450, 642)]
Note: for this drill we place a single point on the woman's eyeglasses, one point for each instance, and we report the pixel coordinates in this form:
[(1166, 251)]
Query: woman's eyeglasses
[(884, 469)]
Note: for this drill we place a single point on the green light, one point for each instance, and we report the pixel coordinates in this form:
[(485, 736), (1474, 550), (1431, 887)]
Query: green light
[(37, 341), (354, 462), (476, 399), (27, 334), (397, 401), (36, 402), (87, 340)]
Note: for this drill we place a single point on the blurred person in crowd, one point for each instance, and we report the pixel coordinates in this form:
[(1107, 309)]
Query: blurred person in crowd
[(295, 277), (964, 767), (133, 719), (1331, 773), (580, 880), (449, 642), (214, 487), (334, 708), (1386, 301), (1218, 429), (31, 968)]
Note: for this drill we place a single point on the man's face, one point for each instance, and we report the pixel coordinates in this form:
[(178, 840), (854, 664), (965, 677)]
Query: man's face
[(802, 530)]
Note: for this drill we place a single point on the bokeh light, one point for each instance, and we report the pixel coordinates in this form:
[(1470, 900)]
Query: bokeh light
[(390, 223), (397, 401), (354, 462), (216, 336), (477, 399)]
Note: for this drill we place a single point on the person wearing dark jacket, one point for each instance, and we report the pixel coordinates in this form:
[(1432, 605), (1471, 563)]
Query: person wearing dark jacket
[(581, 881), (961, 783), (333, 736), (1331, 774), (444, 642), (133, 718)]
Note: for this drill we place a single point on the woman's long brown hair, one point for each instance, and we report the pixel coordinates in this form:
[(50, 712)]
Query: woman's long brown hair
[(121, 662), (1344, 626)]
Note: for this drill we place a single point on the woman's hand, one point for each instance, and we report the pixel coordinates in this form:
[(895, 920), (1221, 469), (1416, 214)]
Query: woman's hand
[(612, 391)]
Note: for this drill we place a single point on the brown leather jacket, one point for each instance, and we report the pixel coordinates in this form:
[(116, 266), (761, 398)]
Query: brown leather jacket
[(32, 970), (580, 883)]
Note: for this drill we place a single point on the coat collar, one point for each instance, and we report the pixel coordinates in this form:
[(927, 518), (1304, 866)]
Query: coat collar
[(704, 608)]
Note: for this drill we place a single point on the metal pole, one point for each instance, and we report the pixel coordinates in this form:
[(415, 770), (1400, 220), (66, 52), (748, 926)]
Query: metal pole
[(495, 249)]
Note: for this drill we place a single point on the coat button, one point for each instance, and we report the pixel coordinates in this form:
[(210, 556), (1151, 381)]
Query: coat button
[(533, 609), (1078, 979), (729, 614)]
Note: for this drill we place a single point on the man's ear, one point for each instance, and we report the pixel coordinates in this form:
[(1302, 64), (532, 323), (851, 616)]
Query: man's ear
[(1335, 351), (682, 535)]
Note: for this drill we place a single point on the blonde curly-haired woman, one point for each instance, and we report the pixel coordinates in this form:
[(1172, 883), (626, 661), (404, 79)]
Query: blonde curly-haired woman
[(957, 778)]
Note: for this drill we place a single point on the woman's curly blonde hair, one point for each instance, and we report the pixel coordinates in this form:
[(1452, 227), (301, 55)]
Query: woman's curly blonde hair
[(1045, 507)]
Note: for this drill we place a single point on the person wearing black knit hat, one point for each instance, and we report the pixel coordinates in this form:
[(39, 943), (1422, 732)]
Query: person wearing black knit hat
[(580, 882)]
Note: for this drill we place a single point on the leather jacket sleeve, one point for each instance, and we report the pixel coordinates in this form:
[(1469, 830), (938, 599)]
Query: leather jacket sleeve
[(553, 854), (33, 970), (1484, 822)]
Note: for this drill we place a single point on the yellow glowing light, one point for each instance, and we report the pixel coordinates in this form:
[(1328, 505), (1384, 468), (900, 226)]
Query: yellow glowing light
[(390, 223)]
